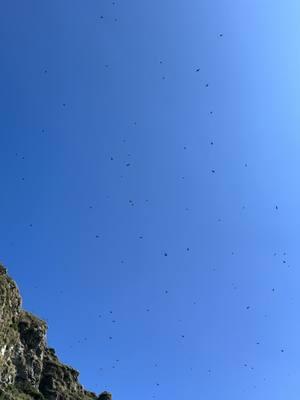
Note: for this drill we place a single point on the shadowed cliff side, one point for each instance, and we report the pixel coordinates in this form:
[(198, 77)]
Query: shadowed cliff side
[(28, 368)]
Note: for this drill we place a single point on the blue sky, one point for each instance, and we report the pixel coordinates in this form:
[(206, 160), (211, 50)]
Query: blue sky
[(150, 202)]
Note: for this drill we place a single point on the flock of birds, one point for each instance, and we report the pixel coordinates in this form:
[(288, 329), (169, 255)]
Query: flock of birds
[(116, 363)]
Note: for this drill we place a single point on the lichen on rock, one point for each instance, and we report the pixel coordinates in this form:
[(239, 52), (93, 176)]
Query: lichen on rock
[(29, 369)]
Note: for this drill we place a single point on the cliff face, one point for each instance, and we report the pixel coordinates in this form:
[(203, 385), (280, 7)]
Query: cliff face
[(28, 368)]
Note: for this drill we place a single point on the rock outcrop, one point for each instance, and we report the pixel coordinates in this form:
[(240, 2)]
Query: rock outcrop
[(29, 369)]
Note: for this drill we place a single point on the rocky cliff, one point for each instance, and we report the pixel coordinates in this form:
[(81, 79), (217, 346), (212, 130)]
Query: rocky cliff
[(29, 369)]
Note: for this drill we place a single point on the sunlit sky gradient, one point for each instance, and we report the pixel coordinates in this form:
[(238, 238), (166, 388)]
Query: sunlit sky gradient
[(110, 209)]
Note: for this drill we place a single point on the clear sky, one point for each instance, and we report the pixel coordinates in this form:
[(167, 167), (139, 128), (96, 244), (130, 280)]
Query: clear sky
[(150, 199)]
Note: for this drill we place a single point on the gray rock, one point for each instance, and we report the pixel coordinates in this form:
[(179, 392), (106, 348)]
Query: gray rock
[(105, 396)]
